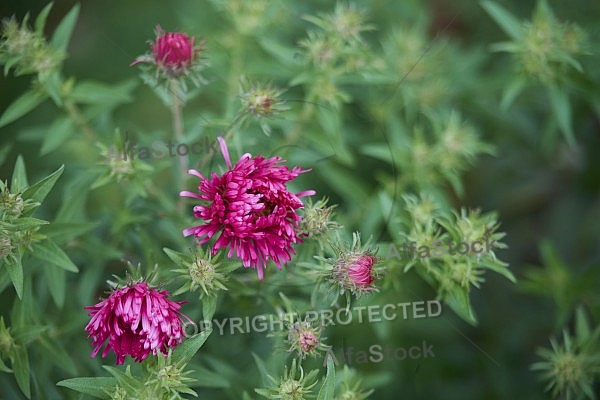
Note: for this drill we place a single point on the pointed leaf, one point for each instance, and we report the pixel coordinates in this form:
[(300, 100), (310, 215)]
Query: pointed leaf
[(91, 92), (97, 387), (509, 24), (57, 283), (40, 21), (209, 306), (21, 106), (175, 256), (25, 223), (60, 130), (27, 334), (561, 108), (40, 190), (49, 252), (185, 351), (3, 367), (19, 176), (326, 392), (458, 300), (511, 92), (262, 369), (21, 370), (62, 34), (4, 151), (207, 378), (15, 271)]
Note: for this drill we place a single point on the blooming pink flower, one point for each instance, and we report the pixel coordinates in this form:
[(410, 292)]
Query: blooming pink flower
[(354, 272), (137, 320), (252, 208), (173, 52)]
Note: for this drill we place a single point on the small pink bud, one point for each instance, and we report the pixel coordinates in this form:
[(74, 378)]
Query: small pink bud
[(173, 50), (360, 271), (303, 338), (308, 341), (354, 271)]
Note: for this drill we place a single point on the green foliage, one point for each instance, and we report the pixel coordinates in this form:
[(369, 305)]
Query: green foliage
[(413, 131)]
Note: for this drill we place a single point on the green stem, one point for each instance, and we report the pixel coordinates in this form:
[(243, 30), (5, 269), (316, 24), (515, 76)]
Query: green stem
[(75, 114), (177, 118), (178, 125)]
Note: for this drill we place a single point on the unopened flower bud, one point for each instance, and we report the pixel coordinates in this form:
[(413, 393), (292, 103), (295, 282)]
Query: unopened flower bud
[(354, 272), (304, 338), (203, 274), (261, 101), (173, 53), (316, 221), (173, 50)]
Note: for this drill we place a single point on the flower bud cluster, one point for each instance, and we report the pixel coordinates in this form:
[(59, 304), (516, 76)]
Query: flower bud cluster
[(27, 50), (548, 46)]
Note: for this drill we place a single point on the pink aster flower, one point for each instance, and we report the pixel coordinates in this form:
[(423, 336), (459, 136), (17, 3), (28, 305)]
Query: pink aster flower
[(172, 52), (137, 320), (251, 208)]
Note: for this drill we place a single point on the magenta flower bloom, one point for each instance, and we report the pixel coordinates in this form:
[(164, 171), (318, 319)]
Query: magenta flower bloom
[(251, 208), (137, 320), (172, 52)]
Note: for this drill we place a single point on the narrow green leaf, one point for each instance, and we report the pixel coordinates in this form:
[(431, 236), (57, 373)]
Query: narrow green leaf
[(582, 327), (57, 283), (62, 34), (184, 352), (53, 84), (58, 356), (29, 333), (326, 392), (4, 278), (4, 151), (261, 368), (458, 300), (62, 232), (509, 24), (40, 21), (3, 367), (21, 370), (60, 130), (209, 306), (39, 190), (25, 223), (19, 176), (21, 106), (175, 256), (124, 379), (90, 92), (97, 386), (49, 252), (511, 92), (206, 378), (561, 108), (15, 271), (499, 268)]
